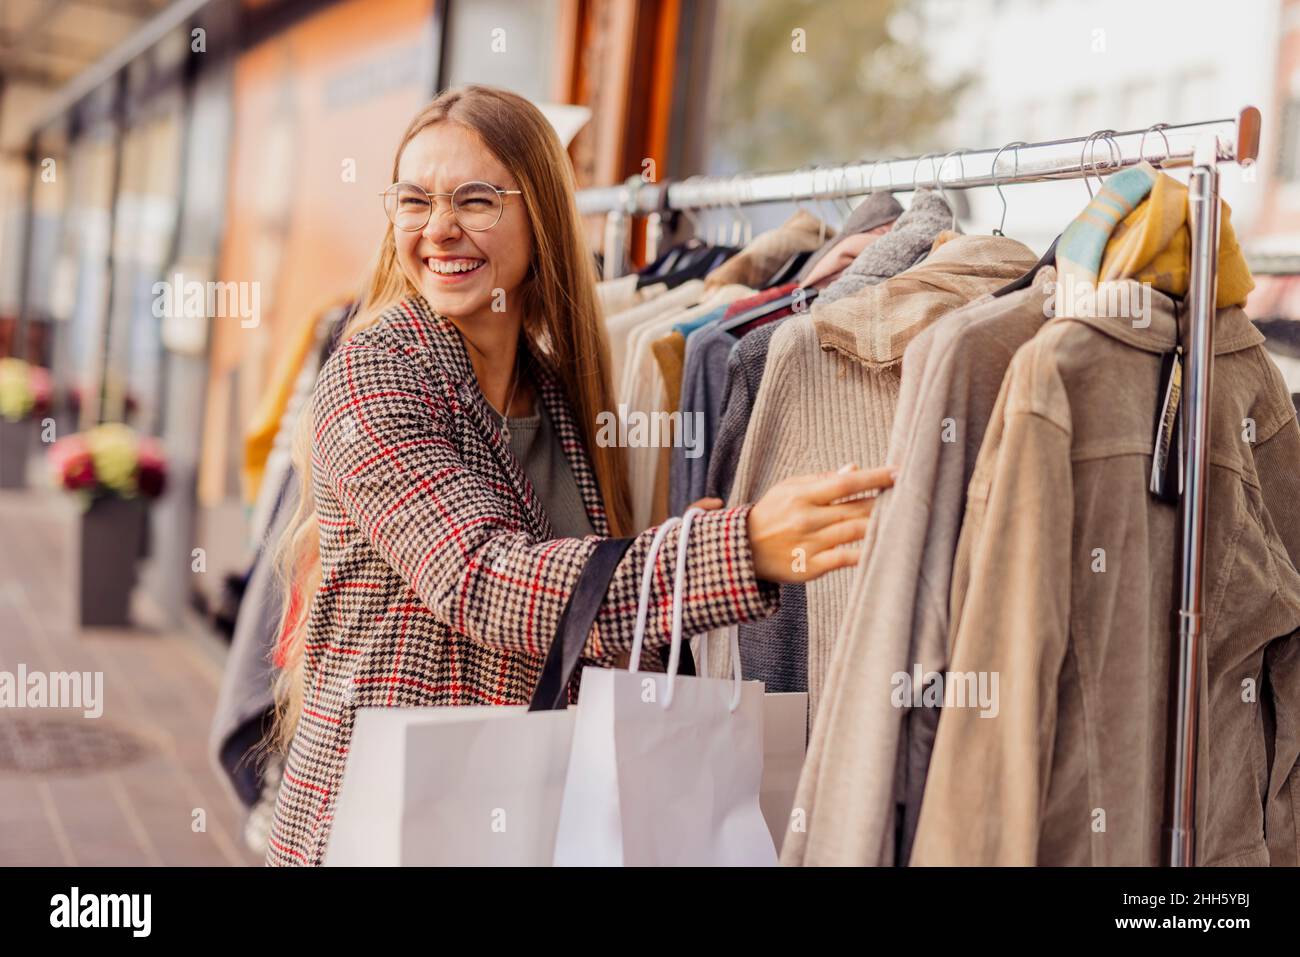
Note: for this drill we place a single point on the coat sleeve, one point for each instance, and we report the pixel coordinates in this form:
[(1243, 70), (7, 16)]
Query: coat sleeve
[(1279, 480), (384, 446), (989, 769)]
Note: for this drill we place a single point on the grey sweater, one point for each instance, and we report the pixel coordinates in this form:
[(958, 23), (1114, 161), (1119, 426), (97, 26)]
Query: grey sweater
[(544, 462)]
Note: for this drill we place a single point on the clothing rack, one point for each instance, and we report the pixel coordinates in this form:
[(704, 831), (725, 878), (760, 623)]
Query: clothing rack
[(1274, 264), (1200, 146)]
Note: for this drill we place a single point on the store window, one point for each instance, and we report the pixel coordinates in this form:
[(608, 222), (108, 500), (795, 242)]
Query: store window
[(144, 228), (506, 43), (817, 82), (85, 261)]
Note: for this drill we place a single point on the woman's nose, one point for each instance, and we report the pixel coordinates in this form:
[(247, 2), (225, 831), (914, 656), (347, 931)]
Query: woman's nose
[(442, 226)]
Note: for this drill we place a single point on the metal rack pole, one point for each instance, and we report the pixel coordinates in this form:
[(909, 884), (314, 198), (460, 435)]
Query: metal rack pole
[(1165, 146), (615, 245), (1203, 216)]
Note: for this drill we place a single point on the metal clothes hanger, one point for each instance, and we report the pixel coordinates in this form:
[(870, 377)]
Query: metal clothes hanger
[(1112, 146), (998, 186), (943, 193), (1154, 128)]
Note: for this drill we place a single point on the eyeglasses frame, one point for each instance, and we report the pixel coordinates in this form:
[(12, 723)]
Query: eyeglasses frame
[(503, 193)]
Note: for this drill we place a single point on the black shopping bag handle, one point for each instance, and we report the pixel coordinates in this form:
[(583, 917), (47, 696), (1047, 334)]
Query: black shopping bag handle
[(575, 624)]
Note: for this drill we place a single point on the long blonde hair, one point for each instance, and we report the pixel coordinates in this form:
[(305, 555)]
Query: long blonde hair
[(562, 323)]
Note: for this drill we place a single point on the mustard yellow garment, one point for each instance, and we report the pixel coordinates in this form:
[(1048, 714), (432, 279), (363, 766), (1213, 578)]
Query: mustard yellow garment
[(1153, 245), (266, 418)]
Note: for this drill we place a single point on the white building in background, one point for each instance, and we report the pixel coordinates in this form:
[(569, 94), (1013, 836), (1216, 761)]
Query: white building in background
[(1051, 69)]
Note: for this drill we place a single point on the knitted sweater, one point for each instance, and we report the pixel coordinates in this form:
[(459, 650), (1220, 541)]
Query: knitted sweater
[(816, 410), (820, 407)]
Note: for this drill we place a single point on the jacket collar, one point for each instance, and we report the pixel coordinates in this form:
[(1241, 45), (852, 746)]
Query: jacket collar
[(1142, 316), (438, 337)]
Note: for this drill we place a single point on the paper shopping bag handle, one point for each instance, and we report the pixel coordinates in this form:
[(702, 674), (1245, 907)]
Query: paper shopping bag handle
[(575, 624)]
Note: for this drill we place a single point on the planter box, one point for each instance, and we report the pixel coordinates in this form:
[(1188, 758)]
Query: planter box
[(15, 442), (113, 535)]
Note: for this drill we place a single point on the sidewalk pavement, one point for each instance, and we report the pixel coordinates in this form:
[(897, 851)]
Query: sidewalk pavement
[(135, 786)]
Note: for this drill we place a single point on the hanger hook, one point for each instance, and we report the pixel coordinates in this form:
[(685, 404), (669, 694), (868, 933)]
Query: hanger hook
[(846, 208), (889, 168), (734, 187), (1116, 151), (1154, 128), (713, 234), (961, 163), (747, 186), (919, 160), (1112, 147), (821, 212), (997, 185), (798, 197), (689, 214), (722, 225), (869, 185), (1083, 162)]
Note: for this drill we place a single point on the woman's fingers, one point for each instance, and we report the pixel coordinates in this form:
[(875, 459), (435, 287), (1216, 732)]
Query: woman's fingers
[(829, 487), (831, 559), (841, 533), (829, 515), (707, 504), (837, 546), (796, 527)]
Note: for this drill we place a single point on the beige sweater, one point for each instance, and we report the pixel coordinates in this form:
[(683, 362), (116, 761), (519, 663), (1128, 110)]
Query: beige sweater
[(815, 411), (868, 755), (819, 408)]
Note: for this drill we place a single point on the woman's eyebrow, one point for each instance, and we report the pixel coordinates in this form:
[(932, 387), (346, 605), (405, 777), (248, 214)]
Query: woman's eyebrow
[(422, 182)]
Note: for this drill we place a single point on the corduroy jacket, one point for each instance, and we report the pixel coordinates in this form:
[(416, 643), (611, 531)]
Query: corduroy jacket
[(441, 584), (1065, 587)]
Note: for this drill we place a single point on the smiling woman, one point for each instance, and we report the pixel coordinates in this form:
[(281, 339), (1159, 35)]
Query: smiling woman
[(434, 550)]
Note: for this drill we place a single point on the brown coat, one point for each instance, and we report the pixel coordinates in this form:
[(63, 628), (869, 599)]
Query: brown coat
[(1066, 587), (442, 584)]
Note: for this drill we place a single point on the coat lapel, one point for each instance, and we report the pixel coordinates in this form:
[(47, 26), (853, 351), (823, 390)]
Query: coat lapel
[(444, 341)]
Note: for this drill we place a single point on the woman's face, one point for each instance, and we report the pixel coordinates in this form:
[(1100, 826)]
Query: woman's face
[(440, 158)]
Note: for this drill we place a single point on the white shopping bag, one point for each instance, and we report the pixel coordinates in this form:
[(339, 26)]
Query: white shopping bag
[(785, 746), (665, 769), (469, 785), (432, 787)]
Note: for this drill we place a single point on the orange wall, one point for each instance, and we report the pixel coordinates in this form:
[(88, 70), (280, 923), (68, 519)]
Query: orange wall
[(339, 86)]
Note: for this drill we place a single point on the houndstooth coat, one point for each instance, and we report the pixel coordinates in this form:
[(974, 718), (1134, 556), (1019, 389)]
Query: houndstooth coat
[(441, 582)]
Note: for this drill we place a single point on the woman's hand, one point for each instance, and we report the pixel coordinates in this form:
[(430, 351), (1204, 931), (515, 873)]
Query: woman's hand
[(795, 527)]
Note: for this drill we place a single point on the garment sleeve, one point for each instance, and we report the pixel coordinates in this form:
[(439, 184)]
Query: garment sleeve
[(989, 770), (725, 453), (1277, 462), (385, 446)]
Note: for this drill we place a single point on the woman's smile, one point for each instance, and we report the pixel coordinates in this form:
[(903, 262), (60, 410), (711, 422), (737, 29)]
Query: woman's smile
[(452, 270)]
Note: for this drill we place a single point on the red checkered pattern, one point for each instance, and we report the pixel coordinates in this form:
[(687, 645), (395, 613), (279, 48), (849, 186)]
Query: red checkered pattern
[(441, 583)]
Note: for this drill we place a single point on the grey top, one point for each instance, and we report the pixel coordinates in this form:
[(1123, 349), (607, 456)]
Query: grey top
[(703, 374), (535, 446)]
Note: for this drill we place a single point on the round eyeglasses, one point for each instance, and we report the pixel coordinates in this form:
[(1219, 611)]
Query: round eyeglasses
[(476, 206)]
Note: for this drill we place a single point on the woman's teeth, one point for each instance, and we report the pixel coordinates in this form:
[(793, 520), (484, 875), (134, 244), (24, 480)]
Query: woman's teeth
[(449, 267)]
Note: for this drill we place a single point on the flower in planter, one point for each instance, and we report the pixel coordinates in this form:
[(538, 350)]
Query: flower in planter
[(16, 398), (151, 469), (74, 468), (42, 390), (110, 459), (112, 446)]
